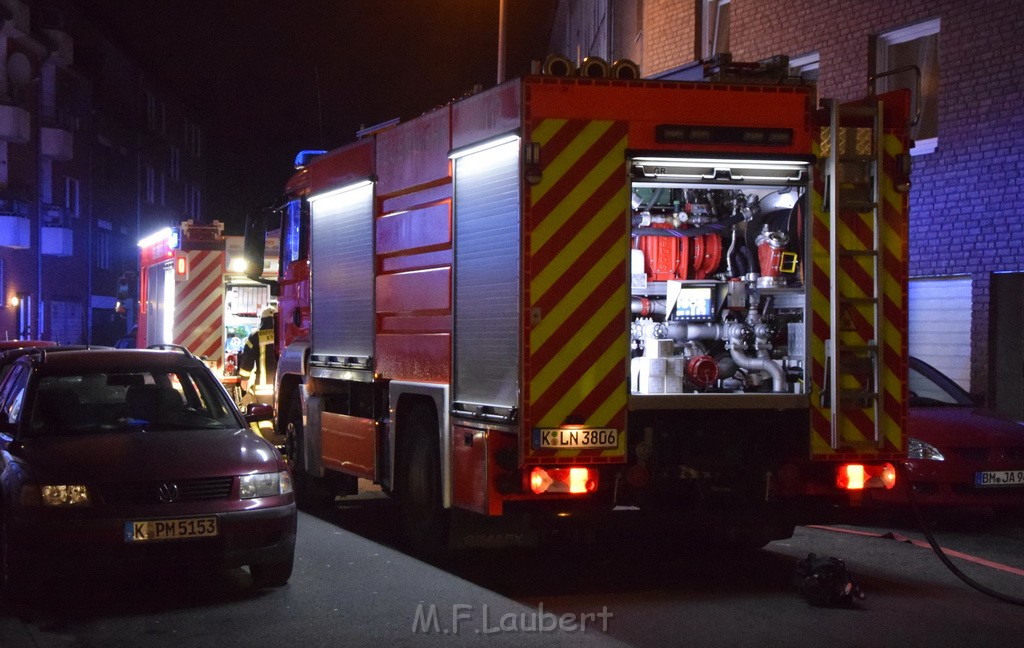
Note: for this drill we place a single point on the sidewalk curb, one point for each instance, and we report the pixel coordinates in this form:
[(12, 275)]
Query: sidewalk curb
[(14, 633)]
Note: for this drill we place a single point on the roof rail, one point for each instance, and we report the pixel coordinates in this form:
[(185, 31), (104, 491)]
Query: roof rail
[(172, 347)]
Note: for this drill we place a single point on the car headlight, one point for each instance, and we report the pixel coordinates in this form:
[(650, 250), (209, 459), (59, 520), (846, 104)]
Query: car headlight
[(55, 495), (264, 485), (918, 449)]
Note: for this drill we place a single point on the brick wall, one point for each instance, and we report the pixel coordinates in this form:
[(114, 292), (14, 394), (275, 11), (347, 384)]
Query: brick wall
[(669, 34)]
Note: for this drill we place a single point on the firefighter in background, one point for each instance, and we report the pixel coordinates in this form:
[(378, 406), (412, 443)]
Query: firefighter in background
[(257, 362), (257, 366)]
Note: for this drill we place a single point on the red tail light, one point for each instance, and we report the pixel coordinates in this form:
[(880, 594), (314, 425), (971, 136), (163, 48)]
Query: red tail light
[(861, 476), (574, 480)]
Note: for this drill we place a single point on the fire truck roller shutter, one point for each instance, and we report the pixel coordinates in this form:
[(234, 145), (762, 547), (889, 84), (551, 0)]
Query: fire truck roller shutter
[(487, 250), (341, 259)]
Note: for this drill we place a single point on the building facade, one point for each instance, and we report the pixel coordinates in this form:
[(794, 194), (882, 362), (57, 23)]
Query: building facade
[(967, 230), (94, 155)]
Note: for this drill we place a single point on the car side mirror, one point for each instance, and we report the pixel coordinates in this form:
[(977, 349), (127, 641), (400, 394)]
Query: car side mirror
[(256, 412)]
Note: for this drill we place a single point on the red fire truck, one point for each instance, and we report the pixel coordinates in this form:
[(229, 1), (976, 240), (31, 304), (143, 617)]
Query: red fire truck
[(194, 293), (570, 295)]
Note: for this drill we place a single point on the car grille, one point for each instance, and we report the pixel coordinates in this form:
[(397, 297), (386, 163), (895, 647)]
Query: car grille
[(972, 454), (1011, 453), (186, 490)]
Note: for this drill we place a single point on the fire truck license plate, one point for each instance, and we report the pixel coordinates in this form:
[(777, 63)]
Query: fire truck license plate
[(999, 478), (144, 530), (570, 439)]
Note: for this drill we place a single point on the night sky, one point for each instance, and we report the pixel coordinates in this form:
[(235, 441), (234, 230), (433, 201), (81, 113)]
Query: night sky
[(269, 78)]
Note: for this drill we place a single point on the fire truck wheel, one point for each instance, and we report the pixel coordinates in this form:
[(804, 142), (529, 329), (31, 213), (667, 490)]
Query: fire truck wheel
[(311, 493), (424, 519)]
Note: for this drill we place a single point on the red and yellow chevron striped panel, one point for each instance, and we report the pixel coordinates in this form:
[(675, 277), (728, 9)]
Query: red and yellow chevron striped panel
[(855, 232), (199, 305), (577, 246)]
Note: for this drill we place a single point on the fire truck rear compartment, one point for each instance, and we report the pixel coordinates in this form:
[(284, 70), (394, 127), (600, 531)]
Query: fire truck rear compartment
[(686, 461), (717, 277)]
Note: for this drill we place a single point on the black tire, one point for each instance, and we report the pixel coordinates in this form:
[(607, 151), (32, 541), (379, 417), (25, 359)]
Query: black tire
[(311, 493), (271, 574), (13, 579), (293, 441), (425, 522), (6, 580)]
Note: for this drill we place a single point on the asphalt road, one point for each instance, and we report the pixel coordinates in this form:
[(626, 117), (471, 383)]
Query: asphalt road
[(351, 587)]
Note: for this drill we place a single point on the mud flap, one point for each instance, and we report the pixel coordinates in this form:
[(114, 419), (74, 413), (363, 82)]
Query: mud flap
[(474, 531)]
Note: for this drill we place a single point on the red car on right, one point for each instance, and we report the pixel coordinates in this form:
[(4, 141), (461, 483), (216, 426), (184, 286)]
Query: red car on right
[(960, 455)]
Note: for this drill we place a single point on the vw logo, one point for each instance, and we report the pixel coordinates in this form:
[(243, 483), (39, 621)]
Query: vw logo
[(167, 492)]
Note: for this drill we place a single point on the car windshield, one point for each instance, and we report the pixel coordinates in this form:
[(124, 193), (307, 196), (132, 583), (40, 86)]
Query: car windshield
[(96, 401), (930, 388)]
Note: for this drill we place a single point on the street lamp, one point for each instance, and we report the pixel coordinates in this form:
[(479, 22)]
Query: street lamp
[(501, 41)]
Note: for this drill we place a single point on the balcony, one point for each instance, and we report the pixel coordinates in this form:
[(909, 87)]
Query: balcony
[(15, 124), (57, 241), (15, 231), (56, 143)]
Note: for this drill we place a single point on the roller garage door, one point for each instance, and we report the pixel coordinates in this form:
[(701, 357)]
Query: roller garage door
[(940, 325)]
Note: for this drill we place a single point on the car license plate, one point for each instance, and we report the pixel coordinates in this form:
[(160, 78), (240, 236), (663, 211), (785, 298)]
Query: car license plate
[(145, 530), (575, 439), (999, 478)]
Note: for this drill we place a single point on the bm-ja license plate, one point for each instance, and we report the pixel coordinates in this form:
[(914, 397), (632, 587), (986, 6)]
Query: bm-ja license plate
[(145, 530), (575, 439), (999, 478)]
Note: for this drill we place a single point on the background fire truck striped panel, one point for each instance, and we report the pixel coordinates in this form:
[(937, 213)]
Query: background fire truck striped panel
[(577, 248), (199, 305)]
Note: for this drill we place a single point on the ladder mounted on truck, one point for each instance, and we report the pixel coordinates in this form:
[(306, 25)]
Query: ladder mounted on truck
[(853, 172), (858, 327)]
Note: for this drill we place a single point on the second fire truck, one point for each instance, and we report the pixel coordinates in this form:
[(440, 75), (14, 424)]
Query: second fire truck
[(194, 294), (568, 295)]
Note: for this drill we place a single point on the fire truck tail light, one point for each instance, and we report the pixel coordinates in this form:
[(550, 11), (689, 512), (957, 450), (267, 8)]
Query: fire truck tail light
[(539, 480), (574, 480), (578, 478), (861, 476), (181, 266)]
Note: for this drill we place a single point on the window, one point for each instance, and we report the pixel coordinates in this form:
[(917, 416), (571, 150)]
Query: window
[(99, 400), (67, 321), (805, 67), (71, 195), (103, 234), (192, 139), (24, 307), (917, 45), (152, 111), (175, 163), (14, 394), (193, 197), (296, 224), (150, 184), (714, 27)]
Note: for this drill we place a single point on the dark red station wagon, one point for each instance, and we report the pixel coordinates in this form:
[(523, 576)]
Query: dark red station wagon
[(135, 458)]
